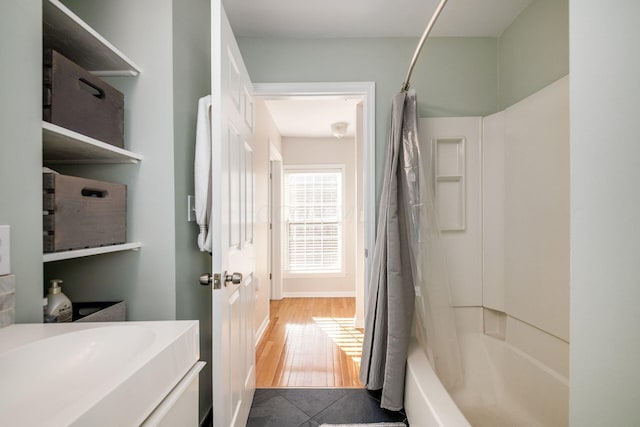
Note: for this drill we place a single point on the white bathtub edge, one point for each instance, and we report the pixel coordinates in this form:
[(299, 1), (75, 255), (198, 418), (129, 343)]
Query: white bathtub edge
[(427, 402)]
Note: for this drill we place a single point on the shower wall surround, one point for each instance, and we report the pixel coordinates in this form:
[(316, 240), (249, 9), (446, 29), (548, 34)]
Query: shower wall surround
[(509, 263), (536, 209), (526, 223), (457, 172)]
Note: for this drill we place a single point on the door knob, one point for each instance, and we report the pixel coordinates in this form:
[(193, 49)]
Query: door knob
[(235, 278), (206, 279)]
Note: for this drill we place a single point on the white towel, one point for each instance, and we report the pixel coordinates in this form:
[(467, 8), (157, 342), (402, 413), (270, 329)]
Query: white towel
[(202, 177)]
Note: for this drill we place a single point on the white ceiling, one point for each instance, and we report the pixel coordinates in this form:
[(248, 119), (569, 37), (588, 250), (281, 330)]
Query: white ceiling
[(369, 18), (312, 118)]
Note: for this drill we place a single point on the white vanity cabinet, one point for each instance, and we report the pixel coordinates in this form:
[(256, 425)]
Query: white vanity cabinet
[(180, 407), (106, 374)]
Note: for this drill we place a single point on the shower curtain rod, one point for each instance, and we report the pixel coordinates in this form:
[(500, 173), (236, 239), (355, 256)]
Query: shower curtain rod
[(423, 39)]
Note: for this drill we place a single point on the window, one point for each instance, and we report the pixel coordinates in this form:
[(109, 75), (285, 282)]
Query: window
[(313, 200)]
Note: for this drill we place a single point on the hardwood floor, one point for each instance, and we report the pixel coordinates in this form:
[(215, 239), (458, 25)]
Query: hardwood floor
[(310, 342)]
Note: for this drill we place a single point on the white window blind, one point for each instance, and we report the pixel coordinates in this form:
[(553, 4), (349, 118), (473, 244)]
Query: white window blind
[(313, 199)]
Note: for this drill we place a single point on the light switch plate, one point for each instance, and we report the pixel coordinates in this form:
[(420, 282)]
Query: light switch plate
[(5, 249)]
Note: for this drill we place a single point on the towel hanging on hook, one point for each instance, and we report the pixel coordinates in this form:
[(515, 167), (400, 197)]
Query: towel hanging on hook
[(202, 173)]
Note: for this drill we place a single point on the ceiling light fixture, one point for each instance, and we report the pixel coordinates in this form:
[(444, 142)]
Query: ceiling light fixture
[(339, 129)]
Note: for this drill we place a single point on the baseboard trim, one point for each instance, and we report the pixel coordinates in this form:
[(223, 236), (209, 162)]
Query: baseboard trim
[(330, 294), (261, 330)]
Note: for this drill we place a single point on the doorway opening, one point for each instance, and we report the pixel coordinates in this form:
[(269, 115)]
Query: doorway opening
[(322, 223)]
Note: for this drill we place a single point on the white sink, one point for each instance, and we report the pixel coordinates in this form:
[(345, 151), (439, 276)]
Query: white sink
[(93, 373)]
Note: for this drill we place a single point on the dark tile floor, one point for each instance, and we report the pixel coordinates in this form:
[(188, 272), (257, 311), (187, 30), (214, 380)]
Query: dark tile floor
[(296, 407)]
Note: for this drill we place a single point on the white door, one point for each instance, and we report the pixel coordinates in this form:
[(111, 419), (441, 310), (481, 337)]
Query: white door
[(232, 221)]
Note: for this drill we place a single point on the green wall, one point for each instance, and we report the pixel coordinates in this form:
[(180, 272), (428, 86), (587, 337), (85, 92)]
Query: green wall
[(605, 207), (192, 80), (145, 279), (454, 76), (161, 280), (21, 148), (534, 51)]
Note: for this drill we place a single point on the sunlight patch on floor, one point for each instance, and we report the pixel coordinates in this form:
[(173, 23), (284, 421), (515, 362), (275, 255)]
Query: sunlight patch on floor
[(343, 333)]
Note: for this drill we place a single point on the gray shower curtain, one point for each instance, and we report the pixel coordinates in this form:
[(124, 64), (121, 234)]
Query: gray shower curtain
[(409, 257), (391, 289)]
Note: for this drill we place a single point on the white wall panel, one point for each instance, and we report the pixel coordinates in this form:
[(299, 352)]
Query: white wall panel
[(536, 194), (463, 245), (542, 346), (493, 211)]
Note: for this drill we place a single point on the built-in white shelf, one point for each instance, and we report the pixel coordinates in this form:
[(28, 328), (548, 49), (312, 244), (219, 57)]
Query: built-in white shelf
[(65, 32), (79, 253), (61, 145)]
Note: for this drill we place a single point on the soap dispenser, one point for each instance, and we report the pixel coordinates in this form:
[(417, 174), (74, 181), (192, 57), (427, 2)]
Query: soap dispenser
[(59, 306)]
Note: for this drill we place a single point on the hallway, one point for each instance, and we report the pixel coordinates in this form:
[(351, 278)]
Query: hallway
[(310, 342)]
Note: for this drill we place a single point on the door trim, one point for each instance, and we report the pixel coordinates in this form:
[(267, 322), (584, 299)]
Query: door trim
[(275, 220), (367, 91)]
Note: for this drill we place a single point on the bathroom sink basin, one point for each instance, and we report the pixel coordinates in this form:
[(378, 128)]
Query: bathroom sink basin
[(93, 373)]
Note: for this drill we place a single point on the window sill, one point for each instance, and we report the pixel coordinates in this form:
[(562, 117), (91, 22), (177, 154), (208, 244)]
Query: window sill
[(314, 275)]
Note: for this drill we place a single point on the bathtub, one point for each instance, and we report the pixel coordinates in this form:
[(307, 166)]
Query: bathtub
[(503, 386)]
